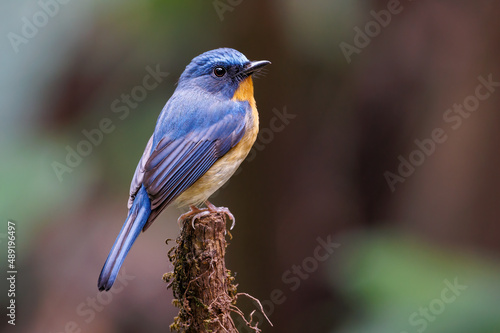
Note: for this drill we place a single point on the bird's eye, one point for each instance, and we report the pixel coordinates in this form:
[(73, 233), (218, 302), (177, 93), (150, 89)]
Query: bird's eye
[(219, 71)]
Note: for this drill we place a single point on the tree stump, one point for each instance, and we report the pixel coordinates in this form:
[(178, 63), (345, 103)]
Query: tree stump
[(203, 287)]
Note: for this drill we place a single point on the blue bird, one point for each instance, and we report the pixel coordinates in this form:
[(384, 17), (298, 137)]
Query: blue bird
[(202, 135)]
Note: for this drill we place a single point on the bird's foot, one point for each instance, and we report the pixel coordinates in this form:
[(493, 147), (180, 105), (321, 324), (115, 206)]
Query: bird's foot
[(194, 213), (221, 210)]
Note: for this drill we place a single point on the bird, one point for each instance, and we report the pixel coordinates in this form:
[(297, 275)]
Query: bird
[(203, 133)]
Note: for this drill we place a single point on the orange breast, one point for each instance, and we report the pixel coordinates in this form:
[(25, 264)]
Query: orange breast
[(245, 92)]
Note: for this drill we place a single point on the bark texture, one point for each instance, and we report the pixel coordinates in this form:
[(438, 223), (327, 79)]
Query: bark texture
[(203, 288)]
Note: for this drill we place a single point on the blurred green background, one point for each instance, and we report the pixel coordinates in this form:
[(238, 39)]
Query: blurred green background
[(420, 255)]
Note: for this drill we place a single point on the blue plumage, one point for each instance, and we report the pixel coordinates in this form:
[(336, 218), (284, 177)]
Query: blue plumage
[(202, 134), (136, 219)]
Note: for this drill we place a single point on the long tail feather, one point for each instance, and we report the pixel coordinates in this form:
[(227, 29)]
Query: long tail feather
[(136, 219)]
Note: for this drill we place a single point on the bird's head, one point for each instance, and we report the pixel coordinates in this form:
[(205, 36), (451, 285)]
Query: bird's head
[(219, 71)]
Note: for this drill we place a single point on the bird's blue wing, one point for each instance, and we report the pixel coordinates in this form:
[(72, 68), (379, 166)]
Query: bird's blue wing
[(180, 155)]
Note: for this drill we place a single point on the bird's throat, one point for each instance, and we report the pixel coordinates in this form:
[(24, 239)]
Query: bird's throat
[(245, 92)]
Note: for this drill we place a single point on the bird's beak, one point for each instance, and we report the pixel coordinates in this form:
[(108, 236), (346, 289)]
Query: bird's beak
[(254, 66)]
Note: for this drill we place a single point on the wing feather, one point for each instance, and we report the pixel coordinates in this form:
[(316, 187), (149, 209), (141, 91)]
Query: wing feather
[(179, 159), (136, 183)]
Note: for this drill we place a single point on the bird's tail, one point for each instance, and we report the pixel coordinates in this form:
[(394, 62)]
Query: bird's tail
[(136, 219)]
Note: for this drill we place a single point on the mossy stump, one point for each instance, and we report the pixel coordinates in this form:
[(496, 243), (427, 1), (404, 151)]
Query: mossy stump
[(203, 287)]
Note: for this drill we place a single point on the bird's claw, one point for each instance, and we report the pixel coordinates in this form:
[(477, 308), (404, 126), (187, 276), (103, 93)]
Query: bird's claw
[(196, 213), (193, 211), (225, 210), (204, 212), (221, 210)]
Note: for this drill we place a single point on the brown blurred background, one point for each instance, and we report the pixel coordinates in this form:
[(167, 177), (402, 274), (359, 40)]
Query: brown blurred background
[(419, 255)]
